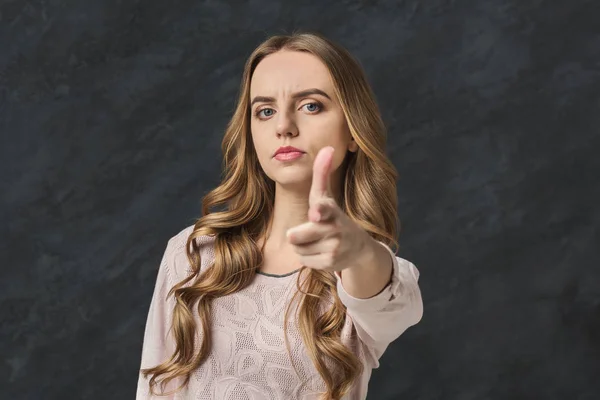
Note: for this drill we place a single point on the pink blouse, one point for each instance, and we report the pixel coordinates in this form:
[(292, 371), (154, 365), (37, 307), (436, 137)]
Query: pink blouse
[(248, 358)]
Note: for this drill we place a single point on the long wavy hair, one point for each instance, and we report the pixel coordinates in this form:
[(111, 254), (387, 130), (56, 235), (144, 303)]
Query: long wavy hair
[(247, 195)]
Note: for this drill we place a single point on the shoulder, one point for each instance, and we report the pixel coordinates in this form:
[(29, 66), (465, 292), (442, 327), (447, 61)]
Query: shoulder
[(176, 256)]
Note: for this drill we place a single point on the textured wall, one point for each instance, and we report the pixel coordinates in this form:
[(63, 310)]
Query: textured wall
[(111, 116)]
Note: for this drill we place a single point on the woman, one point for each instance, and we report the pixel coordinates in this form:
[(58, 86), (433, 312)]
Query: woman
[(291, 291)]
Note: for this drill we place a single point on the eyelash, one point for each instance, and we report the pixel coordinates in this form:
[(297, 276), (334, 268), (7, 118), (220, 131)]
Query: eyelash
[(316, 103)]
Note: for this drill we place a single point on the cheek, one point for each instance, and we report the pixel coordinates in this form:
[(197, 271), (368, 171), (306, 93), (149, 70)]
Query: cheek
[(325, 129), (340, 155), (262, 147), (333, 132), (258, 140)]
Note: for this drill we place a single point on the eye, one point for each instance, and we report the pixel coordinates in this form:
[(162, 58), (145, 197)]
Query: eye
[(313, 107), (267, 112)]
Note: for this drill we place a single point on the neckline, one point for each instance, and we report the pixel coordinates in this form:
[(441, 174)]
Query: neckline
[(278, 276)]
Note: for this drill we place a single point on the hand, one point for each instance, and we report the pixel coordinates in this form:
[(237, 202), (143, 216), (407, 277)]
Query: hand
[(330, 240)]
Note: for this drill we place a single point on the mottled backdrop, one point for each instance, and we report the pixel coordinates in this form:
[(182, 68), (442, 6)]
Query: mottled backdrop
[(111, 117)]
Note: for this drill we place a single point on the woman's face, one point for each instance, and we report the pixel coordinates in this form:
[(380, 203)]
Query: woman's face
[(293, 104)]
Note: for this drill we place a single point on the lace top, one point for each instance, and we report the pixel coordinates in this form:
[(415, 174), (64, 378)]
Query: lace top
[(248, 358)]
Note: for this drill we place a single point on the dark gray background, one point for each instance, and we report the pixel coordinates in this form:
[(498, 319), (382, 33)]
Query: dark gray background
[(111, 117)]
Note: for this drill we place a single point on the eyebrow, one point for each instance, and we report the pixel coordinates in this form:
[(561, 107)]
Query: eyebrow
[(303, 93)]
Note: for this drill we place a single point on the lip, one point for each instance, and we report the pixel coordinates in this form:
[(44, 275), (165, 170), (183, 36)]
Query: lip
[(288, 156), (287, 149)]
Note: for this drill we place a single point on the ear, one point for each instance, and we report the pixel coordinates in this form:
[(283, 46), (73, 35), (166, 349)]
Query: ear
[(352, 146)]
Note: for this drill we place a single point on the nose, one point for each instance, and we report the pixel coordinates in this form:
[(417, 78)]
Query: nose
[(286, 125)]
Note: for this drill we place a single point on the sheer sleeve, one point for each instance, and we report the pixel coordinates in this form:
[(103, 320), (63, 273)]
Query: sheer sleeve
[(158, 343), (381, 319)]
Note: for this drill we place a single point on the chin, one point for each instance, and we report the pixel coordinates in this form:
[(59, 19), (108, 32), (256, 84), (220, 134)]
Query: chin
[(292, 178)]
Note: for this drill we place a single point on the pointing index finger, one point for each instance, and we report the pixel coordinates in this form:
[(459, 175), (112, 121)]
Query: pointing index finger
[(321, 174)]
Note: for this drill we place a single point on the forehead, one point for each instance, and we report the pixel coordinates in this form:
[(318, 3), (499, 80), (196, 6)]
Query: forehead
[(289, 71)]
